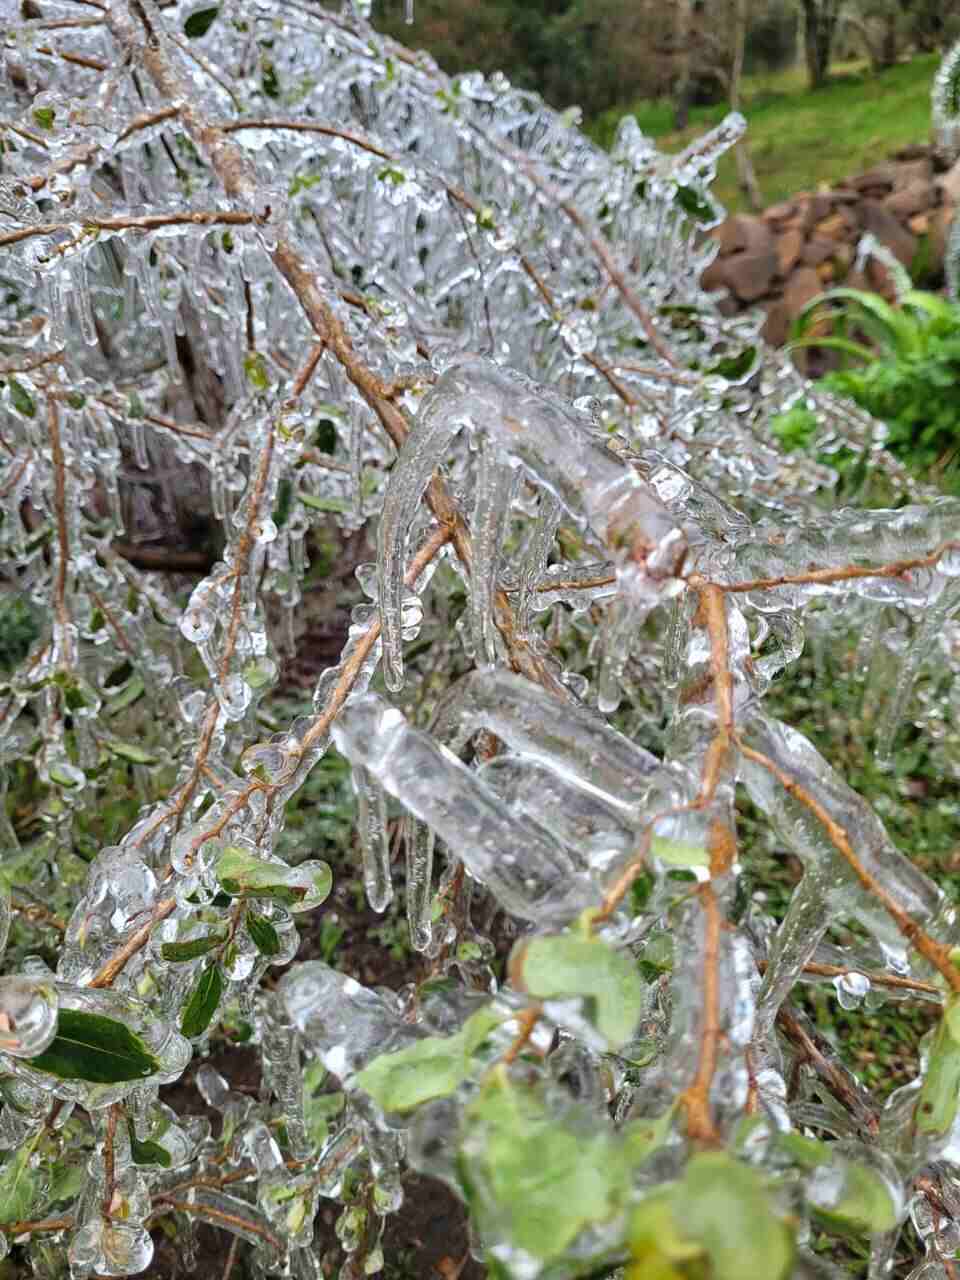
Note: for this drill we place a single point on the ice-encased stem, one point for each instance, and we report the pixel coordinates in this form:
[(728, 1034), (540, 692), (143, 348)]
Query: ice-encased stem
[(527, 872), (557, 447), (374, 839), (571, 740)]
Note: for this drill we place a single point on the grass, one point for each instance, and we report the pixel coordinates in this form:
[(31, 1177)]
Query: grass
[(800, 138)]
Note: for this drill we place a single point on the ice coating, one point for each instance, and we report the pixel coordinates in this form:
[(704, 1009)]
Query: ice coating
[(555, 445), (529, 873)]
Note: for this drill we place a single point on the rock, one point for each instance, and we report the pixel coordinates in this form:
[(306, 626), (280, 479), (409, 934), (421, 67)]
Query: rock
[(715, 276), (878, 219), (915, 151), (802, 287), (914, 198), (845, 195), (940, 221), (880, 280), (949, 184), (905, 175), (743, 234), (820, 207), (789, 247), (919, 224), (839, 226), (776, 327), (750, 275), (780, 212), (827, 272), (879, 179), (818, 250)]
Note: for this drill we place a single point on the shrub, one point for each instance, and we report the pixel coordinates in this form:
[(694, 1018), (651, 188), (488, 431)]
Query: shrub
[(257, 246), (904, 379)]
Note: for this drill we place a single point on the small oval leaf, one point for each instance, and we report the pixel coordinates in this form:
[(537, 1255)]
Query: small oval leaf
[(89, 1046), (202, 1002)]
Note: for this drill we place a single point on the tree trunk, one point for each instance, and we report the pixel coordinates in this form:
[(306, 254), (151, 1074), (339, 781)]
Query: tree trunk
[(820, 26), (746, 177), (682, 81)]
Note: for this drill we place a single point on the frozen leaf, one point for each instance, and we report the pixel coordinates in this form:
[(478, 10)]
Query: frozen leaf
[(21, 1185), (203, 1001), (431, 1068), (522, 1161), (568, 965), (89, 1046), (264, 935), (192, 948), (200, 22)]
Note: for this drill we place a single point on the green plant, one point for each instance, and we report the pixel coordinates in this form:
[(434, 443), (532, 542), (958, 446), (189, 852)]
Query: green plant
[(904, 378)]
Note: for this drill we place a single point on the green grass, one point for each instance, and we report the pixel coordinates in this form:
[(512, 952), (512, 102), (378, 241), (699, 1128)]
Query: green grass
[(800, 138)]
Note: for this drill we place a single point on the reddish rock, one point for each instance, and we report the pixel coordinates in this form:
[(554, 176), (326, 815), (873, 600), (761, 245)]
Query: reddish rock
[(802, 287), (714, 277), (915, 151), (881, 178), (905, 175), (750, 275), (888, 230), (880, 280), (743, 234), (845, 195), (780, 212), (919, 224), (776, 327), (839, 226), (818, 250), (949, 184), (827, 272), (911, 199), (789, 248), (820, 207)]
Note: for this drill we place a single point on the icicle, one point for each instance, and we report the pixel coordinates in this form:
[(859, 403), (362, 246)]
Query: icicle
[(418, 843), (927, 632), (490, 511), (530, 874), (374, 839)]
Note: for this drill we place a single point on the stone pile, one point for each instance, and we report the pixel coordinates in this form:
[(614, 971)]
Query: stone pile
[(794, 250)]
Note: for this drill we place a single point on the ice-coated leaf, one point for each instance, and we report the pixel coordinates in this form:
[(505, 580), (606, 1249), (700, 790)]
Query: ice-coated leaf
[(244, 875), (21, 399), (521, 1161), (202, 1002), (568, 965), (147, 1152), (89, 1046), (431, 1068), (939, 1098), (721, 1210), (130, 751), (21, 1185), (200, 22), (193, 948), (264, 935)]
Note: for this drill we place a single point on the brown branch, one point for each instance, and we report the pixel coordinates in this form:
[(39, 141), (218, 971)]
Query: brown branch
[(220, 1218), (891, 980), (60, 516), (847, 573), (145, 222), (109, 1161), (835, 1077), (935, 953)]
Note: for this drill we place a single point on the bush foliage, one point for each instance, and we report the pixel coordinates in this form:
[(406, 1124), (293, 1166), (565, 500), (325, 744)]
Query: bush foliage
[(271, 276)]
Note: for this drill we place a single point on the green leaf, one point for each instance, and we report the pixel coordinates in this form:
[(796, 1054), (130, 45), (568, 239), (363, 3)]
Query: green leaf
[(243, 875), (21, 1185), (21, 399), (255, 367), (192, 948), (89, 1046), (936, 1107), (264, 935), (147, 1152), (45, 117), (724, 1206), (323, 504), (694, 204), (567, 965), (677, 854), (127, 695), (734, 368), (535, 1179), (200, 22), (431, 1068), (130, 751), (863, 1205), (202, 1002)]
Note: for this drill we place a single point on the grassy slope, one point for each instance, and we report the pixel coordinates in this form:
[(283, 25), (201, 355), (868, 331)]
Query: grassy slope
[(800, 139)]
